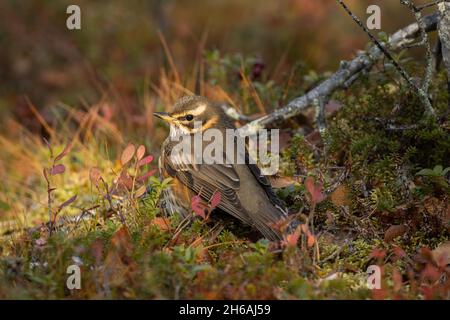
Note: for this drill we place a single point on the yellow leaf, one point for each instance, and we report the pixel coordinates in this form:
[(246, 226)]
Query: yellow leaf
[(140, 191)]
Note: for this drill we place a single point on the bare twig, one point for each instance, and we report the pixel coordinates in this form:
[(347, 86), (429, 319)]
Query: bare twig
[(347, 70), (50, 189)]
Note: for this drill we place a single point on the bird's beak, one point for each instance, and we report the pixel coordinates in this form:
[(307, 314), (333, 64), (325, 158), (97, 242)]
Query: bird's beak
[(163, 115)]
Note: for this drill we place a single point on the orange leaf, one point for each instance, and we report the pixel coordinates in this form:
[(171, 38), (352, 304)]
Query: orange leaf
[(394, 231), (140, 152), (311, 240), (292, 239), (127, 154), (339, 197), (161, 223), (95, 176), (441, 255), (281, 182)]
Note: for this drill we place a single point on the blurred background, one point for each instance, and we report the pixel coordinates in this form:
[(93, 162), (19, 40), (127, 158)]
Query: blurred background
[(132, 57)]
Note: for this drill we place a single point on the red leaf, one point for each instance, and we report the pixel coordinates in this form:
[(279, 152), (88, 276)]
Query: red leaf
[(145, 161), (292, 239), (399, 252), (57, 169), (140, 152), (146, 176), (67, 202), (64, 152), (431, 272), (127, 154), (215, 199), (378, 254), (197, 206), (315, 190)]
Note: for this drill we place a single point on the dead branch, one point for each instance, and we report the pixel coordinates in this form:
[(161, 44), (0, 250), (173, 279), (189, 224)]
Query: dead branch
[(320, 104), (437, 54), (348, 69), (423, 90), (444, 37), (232, 113)]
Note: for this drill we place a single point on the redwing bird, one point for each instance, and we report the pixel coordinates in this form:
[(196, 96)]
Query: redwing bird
[(245, 193)]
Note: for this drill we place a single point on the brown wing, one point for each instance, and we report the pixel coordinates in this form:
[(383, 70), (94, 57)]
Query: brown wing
[(206, 179), (265, 184)]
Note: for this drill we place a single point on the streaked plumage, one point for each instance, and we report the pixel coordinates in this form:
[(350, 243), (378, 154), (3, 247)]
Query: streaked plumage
[(245, 193)]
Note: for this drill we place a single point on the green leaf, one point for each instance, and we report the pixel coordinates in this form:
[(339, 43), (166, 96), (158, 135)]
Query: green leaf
[(4, 206), (425, 172), (438, 170)]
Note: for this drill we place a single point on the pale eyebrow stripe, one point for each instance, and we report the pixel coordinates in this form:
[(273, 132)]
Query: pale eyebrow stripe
[(195, 112)]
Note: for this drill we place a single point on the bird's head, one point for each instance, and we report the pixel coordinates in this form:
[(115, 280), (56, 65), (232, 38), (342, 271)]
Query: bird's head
[(192, 114)]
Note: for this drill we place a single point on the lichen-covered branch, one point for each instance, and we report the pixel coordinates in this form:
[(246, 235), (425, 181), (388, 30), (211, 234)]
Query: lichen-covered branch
[(347, 70), (444, 36), (423, 90), (320, 104), (232, 113)]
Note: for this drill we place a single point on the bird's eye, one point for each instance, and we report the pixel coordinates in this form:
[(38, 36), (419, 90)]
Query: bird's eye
[(189, 117)]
